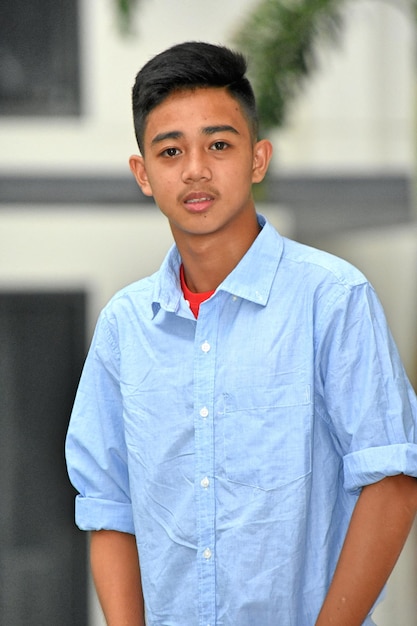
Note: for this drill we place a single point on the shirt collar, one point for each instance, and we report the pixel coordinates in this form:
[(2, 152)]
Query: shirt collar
[(251, 279)]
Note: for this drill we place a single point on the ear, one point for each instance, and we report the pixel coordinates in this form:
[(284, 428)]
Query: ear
[(262, 153), (137, 167)]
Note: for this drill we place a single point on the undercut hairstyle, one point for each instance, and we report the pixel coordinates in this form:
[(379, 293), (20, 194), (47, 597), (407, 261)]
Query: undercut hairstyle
[(189, 66)]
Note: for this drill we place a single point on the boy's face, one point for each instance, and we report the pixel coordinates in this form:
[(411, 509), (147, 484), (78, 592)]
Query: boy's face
[(200, 161)]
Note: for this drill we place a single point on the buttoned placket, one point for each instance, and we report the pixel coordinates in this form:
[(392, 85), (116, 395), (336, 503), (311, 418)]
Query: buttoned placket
[(204, 377)]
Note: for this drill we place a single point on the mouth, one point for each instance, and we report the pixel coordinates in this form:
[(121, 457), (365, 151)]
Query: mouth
[(198, 201)]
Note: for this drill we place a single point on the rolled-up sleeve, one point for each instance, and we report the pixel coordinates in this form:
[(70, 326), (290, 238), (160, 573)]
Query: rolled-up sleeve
[(95, 445), (373, 464)]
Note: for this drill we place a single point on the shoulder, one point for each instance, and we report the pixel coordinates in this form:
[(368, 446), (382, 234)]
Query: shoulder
[(136, 296), (142, 296), (328, 286), (129, 304), (320, 266)]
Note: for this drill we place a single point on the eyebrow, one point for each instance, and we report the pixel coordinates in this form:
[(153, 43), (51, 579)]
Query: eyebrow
[(173, 134), (207, 130), (211, 130)]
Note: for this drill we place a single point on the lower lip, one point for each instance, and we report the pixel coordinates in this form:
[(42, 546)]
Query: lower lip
[(198, 207)]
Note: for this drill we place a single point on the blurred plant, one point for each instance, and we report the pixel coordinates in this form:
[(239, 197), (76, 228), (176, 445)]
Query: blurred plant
[(125, 10), (282, 38)]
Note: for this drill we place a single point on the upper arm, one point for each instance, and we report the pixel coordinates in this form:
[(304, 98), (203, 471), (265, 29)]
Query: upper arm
[(95, 446), (364, 394)]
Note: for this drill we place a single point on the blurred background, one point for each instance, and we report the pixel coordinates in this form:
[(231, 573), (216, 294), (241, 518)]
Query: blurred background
[(74, 228)]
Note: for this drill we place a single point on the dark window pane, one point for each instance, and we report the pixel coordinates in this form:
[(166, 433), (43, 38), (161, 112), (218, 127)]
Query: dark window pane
[(42, 554), (39, 58)]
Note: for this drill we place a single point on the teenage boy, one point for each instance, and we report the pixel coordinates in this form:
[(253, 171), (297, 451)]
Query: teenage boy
[(243, 426)]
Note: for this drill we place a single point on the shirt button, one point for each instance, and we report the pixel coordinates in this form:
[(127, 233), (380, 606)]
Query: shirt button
[(204, 412), (205, 482), (206, 346), (234, 298), (207, 554)]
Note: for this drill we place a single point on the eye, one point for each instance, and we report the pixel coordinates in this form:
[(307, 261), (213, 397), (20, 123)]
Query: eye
[(170, 152), (219, 146)]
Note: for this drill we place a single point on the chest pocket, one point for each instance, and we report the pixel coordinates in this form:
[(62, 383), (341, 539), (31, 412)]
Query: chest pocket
[(267, 435)]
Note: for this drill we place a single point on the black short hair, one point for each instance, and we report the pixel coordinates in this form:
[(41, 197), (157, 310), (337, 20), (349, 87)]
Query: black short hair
[(191, 65)]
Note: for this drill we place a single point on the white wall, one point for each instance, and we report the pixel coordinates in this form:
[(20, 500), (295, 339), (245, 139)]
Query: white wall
[(356, 114)]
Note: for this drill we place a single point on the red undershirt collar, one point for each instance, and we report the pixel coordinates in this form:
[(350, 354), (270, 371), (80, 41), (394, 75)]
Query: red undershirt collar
[(194, 299)]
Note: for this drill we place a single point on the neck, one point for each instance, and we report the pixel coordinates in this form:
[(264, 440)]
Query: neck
[(207, 260)]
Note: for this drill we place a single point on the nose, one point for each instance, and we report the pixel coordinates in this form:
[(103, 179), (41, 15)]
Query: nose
[(196, 167)]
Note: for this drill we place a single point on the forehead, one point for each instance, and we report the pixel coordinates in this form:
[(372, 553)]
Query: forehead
[(189, 110)]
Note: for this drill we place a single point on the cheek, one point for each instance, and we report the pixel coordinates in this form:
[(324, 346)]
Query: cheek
[(163, 187), (239, 170), (244, 174)]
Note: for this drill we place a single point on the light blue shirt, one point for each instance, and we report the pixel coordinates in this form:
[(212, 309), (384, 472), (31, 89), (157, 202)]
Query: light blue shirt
[(234, 446)]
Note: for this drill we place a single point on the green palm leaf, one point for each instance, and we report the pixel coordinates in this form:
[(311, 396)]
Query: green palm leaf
[(280, 38)]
